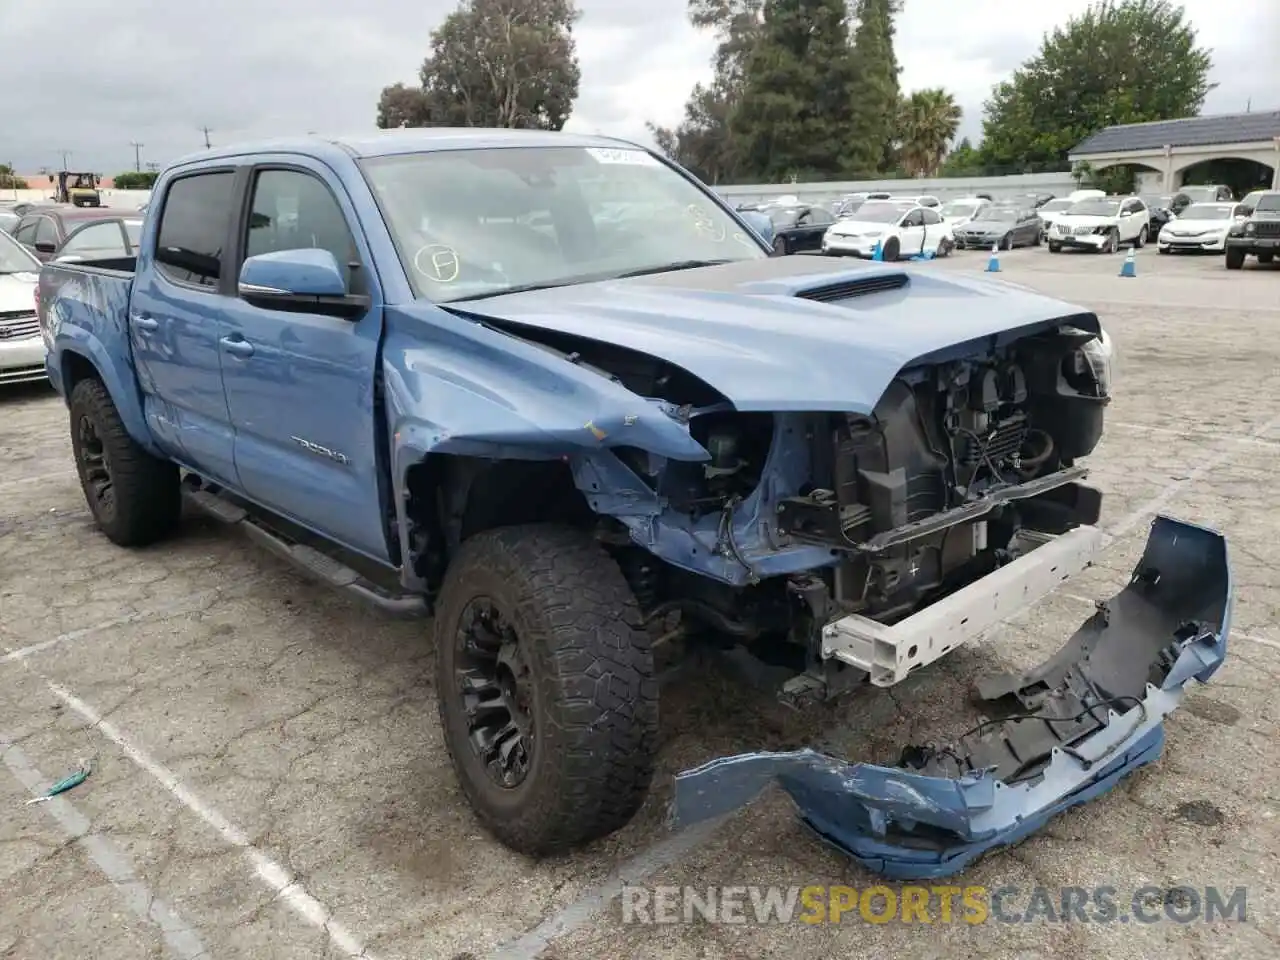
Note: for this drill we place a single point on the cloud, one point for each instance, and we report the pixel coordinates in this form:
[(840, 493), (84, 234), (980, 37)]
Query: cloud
[(157, 72)]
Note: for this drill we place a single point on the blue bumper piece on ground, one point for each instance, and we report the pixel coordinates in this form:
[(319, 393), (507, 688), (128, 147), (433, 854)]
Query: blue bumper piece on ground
[(1058, 735)]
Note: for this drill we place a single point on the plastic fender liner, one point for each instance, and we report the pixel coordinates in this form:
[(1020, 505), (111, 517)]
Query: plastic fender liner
[(1057, 736)]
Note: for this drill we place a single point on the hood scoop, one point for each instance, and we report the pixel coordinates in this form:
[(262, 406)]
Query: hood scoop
[(847, 288)]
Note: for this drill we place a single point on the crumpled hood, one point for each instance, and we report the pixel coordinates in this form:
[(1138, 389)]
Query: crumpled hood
[(1074, 220), (748, 330)]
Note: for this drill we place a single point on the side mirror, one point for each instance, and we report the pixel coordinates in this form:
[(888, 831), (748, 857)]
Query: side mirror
[(301, 281), (760, 224), (44, 246)]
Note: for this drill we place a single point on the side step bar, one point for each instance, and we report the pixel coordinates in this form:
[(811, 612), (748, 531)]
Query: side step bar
[(319, 566)]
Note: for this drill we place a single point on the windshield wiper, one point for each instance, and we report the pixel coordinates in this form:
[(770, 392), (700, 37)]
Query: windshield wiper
[(671, 267), (586, 278)]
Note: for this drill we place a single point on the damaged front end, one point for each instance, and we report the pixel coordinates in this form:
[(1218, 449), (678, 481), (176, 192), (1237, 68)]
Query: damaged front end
[(1055, 737)]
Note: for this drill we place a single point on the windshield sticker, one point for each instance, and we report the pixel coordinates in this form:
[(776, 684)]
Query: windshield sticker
[(634, 158), (437, 263), (704, 225)]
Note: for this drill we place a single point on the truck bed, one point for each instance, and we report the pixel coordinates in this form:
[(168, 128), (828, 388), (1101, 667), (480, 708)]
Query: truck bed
[(87, 302)]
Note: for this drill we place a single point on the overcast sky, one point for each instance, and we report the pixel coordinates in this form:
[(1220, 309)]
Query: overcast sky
[(155, 71)]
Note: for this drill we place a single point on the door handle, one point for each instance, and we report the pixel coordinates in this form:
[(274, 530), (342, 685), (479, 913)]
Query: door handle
[(146, 323), (240, 348)]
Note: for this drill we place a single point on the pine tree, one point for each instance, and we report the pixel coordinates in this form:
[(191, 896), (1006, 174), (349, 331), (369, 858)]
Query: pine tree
[(795, 113), (874, 90)]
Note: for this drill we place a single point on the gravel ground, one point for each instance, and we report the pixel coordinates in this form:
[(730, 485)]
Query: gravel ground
[(269, 780)]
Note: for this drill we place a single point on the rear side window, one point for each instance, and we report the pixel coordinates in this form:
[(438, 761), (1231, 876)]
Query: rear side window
[(931, 216), (26, 232), (96, 240), (193, 228), (46, 232)]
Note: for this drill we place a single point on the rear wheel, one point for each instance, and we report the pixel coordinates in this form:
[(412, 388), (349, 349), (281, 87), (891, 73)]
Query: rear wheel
[(891, 248), (135, 498), (1235, 258), (546, 689)]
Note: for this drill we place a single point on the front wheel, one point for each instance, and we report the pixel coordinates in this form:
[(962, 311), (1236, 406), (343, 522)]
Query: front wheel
[(1055, 247), (1112, 243), (1006, 242), (890, 249), (135, 498), (546, 688), (1235, 258), (1141, 242)]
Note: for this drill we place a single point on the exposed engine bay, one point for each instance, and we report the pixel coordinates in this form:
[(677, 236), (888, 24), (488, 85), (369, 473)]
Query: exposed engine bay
[(932, 490)]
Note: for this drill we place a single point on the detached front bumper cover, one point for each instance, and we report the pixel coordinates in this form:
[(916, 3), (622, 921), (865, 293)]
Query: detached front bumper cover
[(1058, 735)]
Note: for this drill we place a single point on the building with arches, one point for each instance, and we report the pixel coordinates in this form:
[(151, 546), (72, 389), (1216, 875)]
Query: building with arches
[(1239, 149)]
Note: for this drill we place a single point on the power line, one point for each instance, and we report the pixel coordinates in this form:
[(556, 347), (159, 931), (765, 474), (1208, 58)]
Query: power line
[(137, 154), (65, 163), (205, 131)]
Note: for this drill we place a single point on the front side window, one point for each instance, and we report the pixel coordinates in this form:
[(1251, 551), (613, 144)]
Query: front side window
[(476, 222), (26, 232), (96, 240), (194, 222), (294, 210)]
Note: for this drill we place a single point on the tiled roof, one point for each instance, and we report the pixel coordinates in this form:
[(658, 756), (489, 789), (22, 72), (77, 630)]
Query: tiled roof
[(1191, 132)]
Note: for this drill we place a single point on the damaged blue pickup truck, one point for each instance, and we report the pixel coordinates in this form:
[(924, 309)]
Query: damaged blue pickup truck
[(555, 393)]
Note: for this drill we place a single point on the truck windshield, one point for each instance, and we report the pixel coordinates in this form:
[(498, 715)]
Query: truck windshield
[(14, 258), (470, 223)]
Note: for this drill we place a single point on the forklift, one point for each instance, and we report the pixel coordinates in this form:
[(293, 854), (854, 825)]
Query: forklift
[(80, 189)]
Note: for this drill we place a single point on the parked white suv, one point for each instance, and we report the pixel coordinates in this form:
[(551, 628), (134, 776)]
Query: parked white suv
[(1101, 224)]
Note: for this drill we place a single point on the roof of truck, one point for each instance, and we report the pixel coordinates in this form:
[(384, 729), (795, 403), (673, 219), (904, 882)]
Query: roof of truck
[(383, 143)]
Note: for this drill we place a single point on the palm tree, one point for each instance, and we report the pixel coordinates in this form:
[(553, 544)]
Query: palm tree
[(927, 123)]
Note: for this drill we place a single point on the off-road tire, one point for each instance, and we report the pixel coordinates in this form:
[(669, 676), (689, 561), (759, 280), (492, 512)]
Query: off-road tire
[(147, 500), (594, 693), (1234, 258)]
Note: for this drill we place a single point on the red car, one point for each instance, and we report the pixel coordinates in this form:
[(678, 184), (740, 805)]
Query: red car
[(43, 229)]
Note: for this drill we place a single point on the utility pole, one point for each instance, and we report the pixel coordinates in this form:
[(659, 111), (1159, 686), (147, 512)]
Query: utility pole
[(205, 131), (137, 154), (65, 154)]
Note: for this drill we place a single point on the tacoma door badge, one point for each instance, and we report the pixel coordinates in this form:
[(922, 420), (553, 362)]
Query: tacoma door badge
[(333, 455)]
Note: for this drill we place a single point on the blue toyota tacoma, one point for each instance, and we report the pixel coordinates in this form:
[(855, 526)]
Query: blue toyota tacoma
[(555, 393)]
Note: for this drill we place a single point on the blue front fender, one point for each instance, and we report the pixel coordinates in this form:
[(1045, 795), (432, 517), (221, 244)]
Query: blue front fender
[(1061, 734)]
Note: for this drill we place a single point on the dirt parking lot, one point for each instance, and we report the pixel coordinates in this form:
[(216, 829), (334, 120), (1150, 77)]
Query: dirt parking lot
[(269, 780)]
